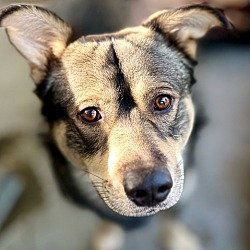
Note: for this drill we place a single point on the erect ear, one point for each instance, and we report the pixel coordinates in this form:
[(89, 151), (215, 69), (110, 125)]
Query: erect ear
[(187, 24), (38, 34)]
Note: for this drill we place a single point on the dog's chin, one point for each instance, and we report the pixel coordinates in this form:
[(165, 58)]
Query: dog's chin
[(128, 208), (124, 206)]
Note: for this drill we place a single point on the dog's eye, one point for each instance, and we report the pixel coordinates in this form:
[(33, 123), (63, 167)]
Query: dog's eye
[(90, 114), (163, 103)]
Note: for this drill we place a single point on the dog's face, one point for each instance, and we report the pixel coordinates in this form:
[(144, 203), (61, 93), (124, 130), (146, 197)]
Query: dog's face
[(128, 119), (119, 104)]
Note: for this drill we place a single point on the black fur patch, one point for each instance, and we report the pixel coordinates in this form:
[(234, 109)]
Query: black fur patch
[(86, 141), (50, 109), (125, 99), (56, 99)]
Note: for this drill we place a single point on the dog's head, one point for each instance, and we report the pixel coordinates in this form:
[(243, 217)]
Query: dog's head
[(119, 104)]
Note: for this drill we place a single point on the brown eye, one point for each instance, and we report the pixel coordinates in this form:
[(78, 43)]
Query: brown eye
[(90, 114), (163, 103)]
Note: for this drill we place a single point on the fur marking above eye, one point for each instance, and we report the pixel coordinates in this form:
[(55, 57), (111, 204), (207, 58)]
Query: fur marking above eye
[(163, 103), (90, 115)]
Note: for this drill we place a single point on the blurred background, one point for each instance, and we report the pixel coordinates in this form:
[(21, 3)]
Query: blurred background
[(34, 215)]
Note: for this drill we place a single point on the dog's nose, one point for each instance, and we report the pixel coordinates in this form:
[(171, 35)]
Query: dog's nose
[(148, 189)]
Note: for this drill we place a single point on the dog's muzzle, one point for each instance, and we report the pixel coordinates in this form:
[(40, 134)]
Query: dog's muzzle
[(147, 188)]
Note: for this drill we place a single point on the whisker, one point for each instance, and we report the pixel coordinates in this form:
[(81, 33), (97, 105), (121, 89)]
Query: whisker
[(94, 175), (82, 173), (98, 182), (98, 187), (180, 162)]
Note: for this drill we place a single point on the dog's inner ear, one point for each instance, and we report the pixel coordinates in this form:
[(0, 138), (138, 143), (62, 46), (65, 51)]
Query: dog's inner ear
[(39, 35), (187, 24)]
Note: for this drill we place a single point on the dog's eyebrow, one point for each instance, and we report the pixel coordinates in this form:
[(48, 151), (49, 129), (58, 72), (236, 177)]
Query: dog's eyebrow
[(125, 98)]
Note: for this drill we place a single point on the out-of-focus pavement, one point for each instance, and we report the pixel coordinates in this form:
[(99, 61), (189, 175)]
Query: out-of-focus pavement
[(219, 209)]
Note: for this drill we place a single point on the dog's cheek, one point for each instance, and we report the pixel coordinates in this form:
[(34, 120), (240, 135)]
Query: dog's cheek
[(182, 125), (190, 111), (86, 142), (83, 153), (59, 131)]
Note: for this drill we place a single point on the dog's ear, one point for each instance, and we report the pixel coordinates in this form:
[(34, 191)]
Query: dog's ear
[(187, 24), (38, 34)]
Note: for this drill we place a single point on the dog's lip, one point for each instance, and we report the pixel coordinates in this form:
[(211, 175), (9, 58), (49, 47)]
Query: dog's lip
[(138, 211)]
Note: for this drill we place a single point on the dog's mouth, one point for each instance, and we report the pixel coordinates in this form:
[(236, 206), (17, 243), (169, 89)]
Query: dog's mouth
[(136, 198)]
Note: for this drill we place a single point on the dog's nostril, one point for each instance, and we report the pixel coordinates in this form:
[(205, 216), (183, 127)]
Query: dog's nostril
[(163, 189), (148, 189)]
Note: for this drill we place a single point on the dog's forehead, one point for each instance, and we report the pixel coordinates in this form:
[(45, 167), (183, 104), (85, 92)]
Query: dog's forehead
[(145, 59)]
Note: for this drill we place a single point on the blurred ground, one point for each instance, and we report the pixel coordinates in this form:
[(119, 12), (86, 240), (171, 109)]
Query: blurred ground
[(218, 211)]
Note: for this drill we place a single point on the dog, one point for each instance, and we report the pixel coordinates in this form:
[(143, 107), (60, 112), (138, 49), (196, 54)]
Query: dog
[(118, 105)]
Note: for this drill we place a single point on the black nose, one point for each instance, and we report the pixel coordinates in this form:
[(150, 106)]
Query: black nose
[(146, 188)]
